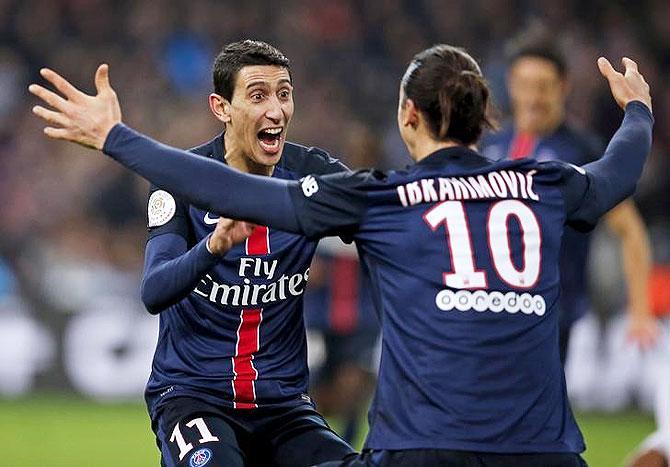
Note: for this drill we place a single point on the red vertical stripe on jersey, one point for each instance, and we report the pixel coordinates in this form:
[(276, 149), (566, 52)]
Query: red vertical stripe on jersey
[(248, 334), (258, 242), (522, 146), (243, 366), (344, 295)]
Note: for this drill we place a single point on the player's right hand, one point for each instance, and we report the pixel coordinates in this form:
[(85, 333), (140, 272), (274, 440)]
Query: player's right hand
[(627, 87), (76, 116), (228, 232)]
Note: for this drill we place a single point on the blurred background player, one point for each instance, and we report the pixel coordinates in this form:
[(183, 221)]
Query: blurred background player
[(340, 317), (538, 87)]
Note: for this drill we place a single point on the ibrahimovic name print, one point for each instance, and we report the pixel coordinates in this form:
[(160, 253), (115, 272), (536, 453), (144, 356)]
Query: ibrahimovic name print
[(502, 184)]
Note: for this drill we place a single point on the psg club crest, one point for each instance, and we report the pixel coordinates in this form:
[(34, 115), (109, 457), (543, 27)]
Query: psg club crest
[(200, 457)]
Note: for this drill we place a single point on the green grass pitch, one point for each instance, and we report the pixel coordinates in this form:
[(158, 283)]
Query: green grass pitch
[(71, 432)]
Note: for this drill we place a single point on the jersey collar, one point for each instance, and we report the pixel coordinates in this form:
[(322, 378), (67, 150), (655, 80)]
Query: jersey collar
[(218, 149), (458, 155)]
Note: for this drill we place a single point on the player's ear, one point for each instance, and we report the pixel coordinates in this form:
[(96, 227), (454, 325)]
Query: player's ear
[(220, 107), (410, 114)]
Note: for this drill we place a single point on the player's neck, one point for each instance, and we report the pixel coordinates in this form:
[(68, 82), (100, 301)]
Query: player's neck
[(239, 160), (243, 163), (426, 146)]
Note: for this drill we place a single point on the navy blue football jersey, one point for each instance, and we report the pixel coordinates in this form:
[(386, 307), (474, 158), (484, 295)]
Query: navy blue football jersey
[(462, 254), (238, 339), (568, 145), (463, 257)]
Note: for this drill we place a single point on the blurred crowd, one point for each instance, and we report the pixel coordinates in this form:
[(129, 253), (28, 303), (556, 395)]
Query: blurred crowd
[(72, 224)]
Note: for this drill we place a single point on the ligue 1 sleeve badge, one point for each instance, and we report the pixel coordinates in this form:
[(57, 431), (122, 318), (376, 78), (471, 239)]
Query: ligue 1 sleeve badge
[(200, 457), (162, 208)]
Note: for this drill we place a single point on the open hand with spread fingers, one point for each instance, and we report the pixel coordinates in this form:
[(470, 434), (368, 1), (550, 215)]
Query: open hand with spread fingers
[(627, 87), (76, 116)]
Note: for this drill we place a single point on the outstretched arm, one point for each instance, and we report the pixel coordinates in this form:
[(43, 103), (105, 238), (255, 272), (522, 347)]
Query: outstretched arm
[(599, 186), (621, 167), (95, 122), (204, 182)]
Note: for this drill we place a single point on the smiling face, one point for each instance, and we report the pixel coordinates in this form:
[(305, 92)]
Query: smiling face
[(258, 114)]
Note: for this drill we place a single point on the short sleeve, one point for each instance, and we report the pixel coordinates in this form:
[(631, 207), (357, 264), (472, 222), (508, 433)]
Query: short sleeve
[(330, 205), (166, 214)]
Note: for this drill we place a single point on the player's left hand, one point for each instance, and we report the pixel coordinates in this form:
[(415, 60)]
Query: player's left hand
[(228, 232), (627, 86), (642, 330), (78, 117)]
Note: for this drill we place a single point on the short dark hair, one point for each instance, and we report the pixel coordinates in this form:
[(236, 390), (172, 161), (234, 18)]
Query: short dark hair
[(537, 42), (235, 56), (447, 85)]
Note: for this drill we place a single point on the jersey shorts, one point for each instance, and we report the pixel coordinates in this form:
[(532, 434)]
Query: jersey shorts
[(448, 458), (193, 433)]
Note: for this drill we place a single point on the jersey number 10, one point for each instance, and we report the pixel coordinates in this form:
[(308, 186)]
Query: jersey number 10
[(465, 274)]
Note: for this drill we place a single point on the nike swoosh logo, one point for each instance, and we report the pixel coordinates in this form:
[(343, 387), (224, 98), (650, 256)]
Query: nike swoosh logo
[(211, 220)]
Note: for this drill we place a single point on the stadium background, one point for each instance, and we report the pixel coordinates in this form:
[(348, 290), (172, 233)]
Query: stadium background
[(75, 343)]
